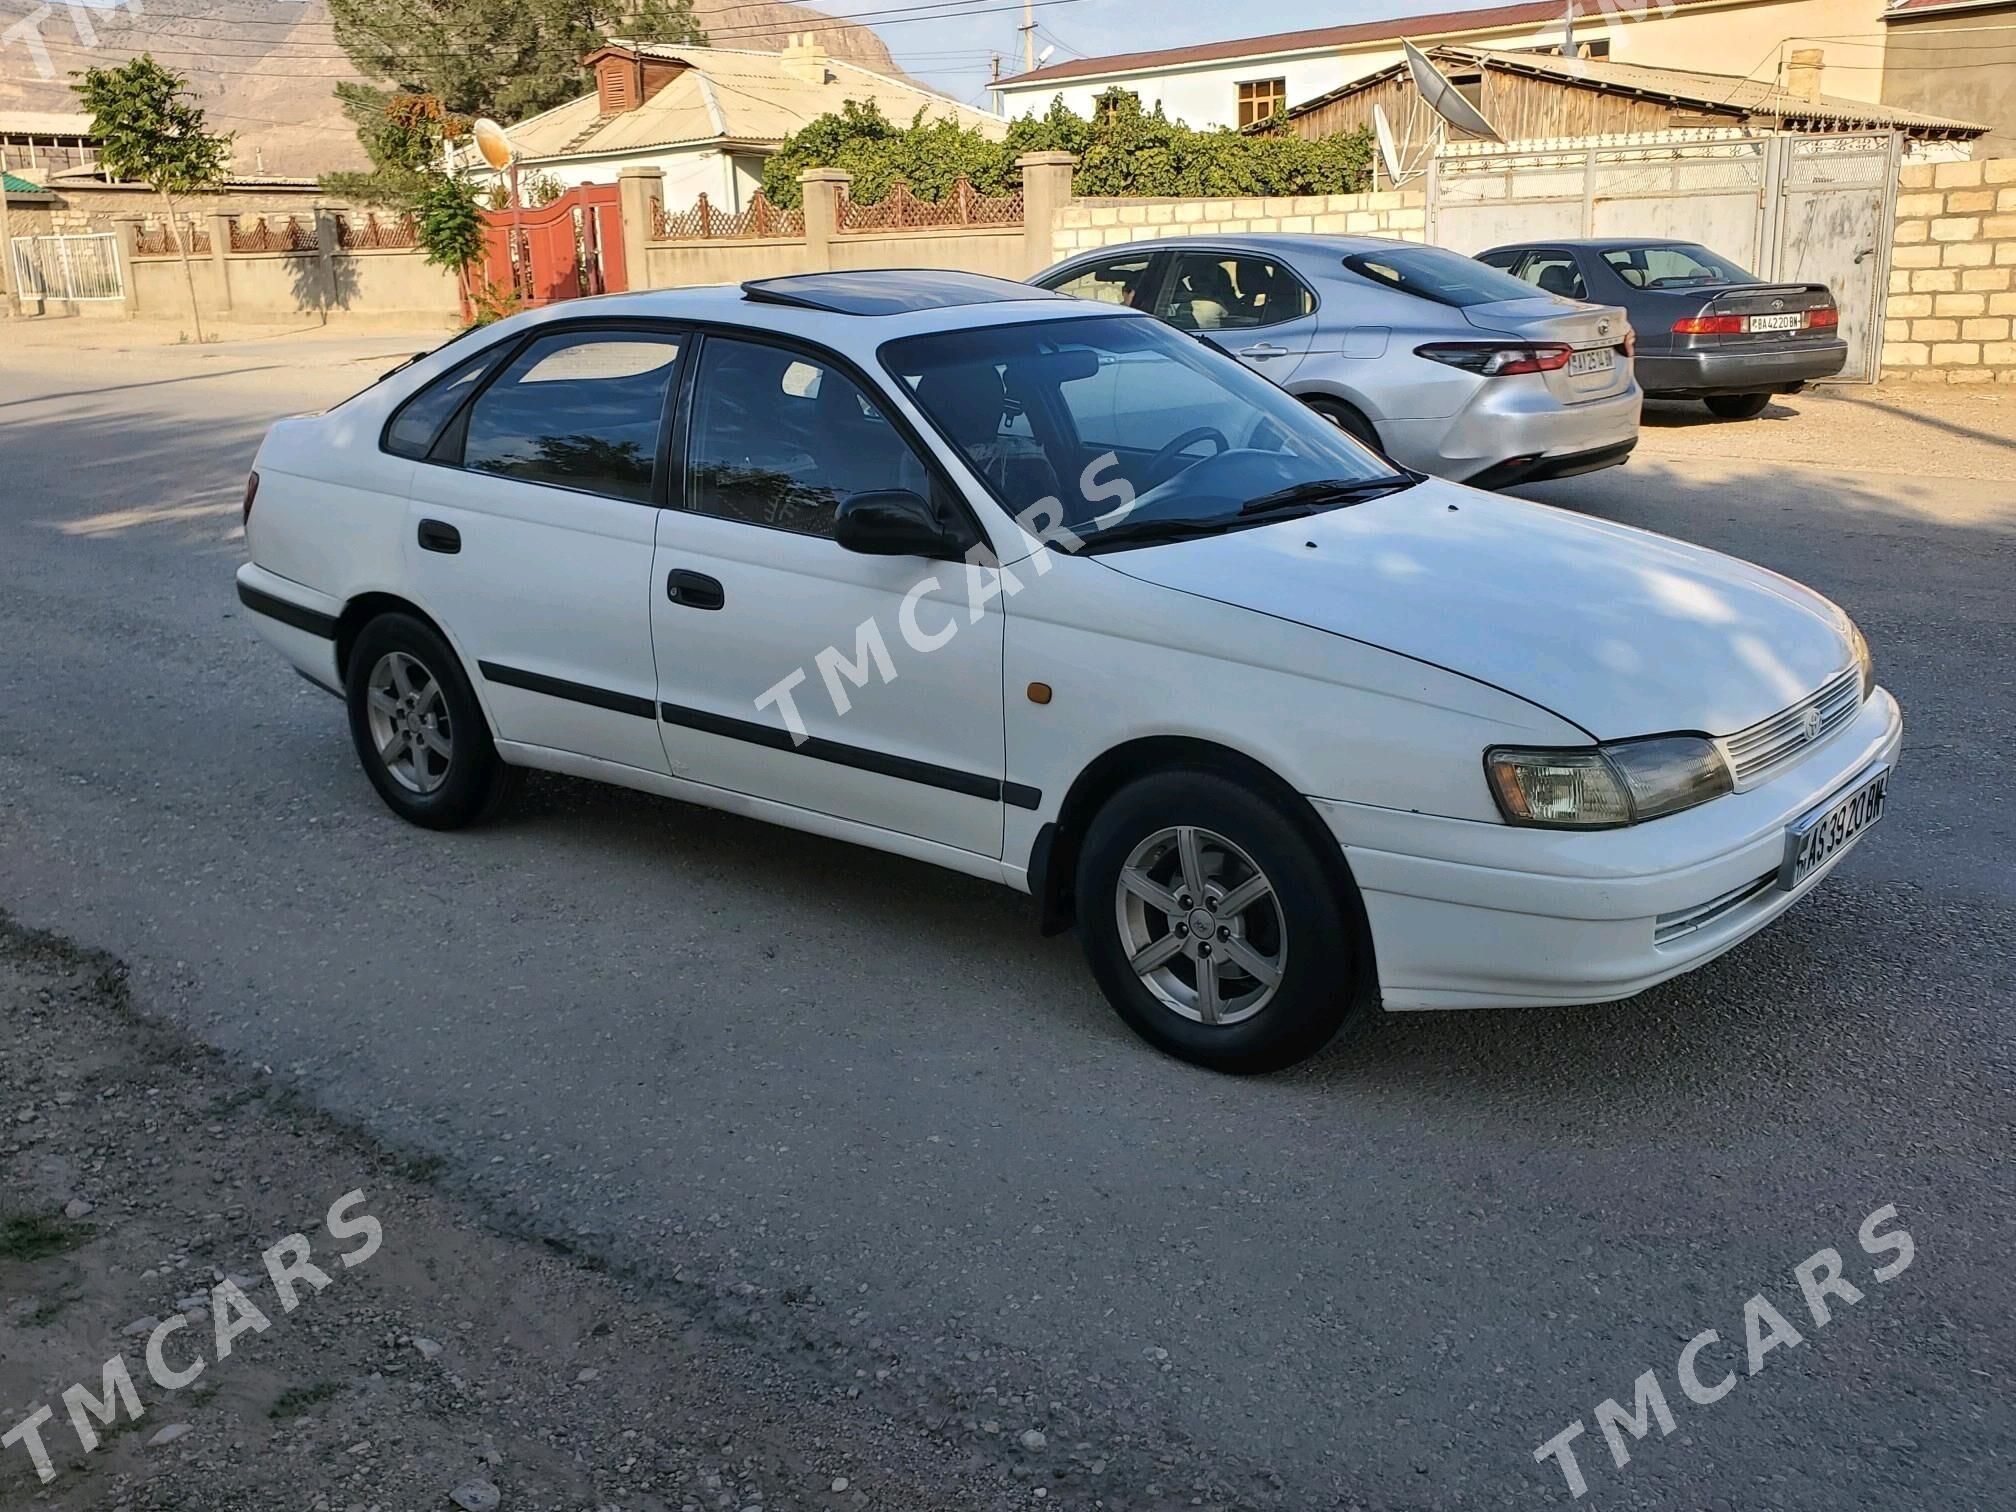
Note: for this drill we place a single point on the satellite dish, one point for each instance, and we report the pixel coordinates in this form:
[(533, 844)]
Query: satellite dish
[(1443, 98), (1389, 150), (493, 144)]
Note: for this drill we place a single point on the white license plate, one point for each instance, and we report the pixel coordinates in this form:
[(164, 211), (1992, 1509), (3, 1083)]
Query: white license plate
[(1817, 837), (1601, 360), (1778, 322)]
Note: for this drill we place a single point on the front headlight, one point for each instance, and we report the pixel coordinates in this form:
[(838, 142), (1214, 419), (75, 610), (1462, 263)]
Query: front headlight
[(1601, 787), (1863, 660)]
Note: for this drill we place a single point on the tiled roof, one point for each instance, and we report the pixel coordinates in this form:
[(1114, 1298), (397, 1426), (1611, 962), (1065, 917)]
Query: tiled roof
[(728, 94), (1435, 23)]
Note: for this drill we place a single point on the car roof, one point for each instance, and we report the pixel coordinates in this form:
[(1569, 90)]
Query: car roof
[(1286, 244), (1598, 243), (852, 312)]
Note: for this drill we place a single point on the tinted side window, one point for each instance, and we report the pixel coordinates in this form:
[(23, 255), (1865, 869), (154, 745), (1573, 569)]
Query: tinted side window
[(1222, 291), (578, 409), (418, 422), (1554, 273), (779, 439), (1124, 281)]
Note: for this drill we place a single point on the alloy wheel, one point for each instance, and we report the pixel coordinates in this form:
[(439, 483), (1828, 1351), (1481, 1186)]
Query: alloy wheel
[(409, 721), (1201, 925)]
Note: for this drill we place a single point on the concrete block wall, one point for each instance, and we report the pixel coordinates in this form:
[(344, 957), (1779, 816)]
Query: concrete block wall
[(1086, 223), (1951, 316)]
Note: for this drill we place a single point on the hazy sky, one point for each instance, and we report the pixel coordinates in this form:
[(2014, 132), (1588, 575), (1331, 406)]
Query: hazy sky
[(952, 52)]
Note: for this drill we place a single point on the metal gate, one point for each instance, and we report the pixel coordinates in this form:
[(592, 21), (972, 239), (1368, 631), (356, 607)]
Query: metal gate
[(1788, 207), (72, 268)]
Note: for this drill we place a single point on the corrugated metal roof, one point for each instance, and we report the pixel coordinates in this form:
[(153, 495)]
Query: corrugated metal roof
[(1919, 7), (1434, 23), (730, 95), (1701, 91), (18, 187), (43, 123)]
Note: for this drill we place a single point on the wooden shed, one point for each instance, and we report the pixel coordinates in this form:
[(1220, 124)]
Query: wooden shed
[(1545, 97)]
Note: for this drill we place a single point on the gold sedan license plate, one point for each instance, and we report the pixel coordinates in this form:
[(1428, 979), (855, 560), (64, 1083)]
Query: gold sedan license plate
[(1817, 837)]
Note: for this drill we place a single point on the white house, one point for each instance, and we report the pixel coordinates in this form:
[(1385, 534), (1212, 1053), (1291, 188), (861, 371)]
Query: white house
[(709, 116), (1235, 82)]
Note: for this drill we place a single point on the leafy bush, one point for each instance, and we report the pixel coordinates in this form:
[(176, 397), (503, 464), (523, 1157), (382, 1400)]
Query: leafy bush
[(1123, 151)]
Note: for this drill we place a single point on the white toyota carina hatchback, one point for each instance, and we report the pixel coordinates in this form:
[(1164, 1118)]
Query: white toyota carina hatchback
[(1052, 594)]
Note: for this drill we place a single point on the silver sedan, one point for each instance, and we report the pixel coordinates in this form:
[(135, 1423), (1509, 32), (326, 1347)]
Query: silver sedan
[(1444, 364)]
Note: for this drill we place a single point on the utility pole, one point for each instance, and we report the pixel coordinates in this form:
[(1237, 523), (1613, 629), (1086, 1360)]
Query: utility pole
[(1028, 36), (8, 306)]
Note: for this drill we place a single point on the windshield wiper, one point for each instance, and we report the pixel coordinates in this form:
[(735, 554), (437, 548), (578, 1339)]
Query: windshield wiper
[(1328, 491), (1148, 532)]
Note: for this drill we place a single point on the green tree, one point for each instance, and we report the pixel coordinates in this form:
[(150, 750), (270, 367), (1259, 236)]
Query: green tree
[(485, 57), (150, 131), (403, 134), (1122, 151), (449, 221)]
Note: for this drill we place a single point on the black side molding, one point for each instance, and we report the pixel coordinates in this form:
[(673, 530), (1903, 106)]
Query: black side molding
[(279, 609), (924, 773), (559, 687)]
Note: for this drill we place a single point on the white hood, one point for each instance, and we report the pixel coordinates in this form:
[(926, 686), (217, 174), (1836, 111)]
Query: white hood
[(1621, 631)]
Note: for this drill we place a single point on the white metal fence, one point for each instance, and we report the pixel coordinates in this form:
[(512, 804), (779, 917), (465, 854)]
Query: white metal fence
[(71, 268)]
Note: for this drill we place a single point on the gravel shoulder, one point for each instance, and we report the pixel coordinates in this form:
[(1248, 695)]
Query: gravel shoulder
[(138, 1171)]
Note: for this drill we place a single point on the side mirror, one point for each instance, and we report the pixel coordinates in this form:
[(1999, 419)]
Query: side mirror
[(894, 522)]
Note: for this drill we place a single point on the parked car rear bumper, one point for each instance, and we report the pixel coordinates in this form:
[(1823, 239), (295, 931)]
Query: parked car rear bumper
[(1693, 375), (1513, 431)]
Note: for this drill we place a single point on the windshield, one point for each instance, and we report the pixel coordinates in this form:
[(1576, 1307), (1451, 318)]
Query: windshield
[(1125, 424), (1435, 273), (1681, 265)]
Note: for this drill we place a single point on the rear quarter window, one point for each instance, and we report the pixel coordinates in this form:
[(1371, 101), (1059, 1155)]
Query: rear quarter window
[(417, 424), (1435, 273)]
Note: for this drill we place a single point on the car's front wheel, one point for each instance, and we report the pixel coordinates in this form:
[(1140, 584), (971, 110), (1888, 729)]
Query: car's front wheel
[(418, 728), (1212, 924), (1737, 406)]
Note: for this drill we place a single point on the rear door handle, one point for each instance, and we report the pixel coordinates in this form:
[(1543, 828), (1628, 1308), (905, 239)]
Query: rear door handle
[(1264, 349), (436, 536), (694, 590)]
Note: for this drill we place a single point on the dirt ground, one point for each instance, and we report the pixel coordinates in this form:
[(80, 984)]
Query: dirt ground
[(453, 1367)]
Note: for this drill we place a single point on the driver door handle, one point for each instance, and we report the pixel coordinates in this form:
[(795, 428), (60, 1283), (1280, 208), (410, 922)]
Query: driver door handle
[(694, 590), (1263, 349)]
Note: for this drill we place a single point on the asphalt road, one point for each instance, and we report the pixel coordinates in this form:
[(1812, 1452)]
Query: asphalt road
[(712, 1052)]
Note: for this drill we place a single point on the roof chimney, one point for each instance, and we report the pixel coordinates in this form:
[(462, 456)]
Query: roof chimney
[(805, 58), (1802, 73)]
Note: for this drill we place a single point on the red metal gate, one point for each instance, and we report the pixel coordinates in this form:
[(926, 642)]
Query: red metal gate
[(563, 250)]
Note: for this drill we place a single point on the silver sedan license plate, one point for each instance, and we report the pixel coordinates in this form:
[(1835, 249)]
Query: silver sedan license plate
[(1596, 360), (1817, 837)]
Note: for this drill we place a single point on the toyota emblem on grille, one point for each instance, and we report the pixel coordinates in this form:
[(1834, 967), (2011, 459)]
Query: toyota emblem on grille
[(1809, 723)]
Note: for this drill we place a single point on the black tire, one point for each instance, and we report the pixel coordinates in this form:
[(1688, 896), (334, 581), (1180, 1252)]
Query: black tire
[(1347, 419), (476, 782), (1737, 406), (1320, 980)]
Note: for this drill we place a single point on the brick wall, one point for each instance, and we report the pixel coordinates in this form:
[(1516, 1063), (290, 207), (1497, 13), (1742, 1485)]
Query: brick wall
[(1085, 223), (1953, 274)]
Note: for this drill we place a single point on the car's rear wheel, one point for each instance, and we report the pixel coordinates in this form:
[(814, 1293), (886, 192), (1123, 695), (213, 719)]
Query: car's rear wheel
[(1347, 419), (417, 726), (1212, 925), (1737, 406)]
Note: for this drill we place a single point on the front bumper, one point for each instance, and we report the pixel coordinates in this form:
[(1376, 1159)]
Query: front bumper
[(1694, 375), (1473, 915), (1510, 425)]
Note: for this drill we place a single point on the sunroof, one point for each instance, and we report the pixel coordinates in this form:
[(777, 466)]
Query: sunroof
[(890, 291)]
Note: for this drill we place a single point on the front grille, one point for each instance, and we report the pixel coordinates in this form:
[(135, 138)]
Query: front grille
[(1669, 927), (1755, 753)]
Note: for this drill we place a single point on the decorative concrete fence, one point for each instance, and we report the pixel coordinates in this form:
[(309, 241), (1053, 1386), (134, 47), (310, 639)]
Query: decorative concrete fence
[(279, 266)]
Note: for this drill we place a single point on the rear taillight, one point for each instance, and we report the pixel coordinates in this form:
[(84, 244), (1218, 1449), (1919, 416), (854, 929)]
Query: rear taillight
[(1823, 320), (251, 493), (1496, 359), (1711, 325)]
